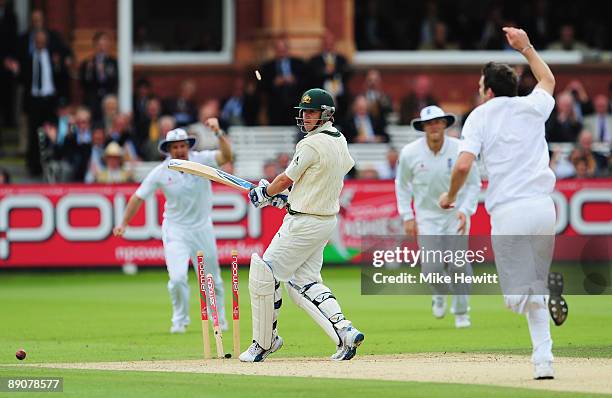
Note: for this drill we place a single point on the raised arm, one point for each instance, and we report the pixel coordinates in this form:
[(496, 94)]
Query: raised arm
[(132, 208), (225, 148), (519, 40)]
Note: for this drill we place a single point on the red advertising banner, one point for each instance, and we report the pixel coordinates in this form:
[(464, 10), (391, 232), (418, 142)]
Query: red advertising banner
[(71, 225)]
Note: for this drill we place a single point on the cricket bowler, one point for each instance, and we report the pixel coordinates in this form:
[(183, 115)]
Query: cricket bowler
[(295, 255), (507, 131)]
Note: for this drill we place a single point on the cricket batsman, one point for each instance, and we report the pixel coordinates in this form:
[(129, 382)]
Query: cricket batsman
[(424, 174), (507, 131), (187, 225), (295, 255)]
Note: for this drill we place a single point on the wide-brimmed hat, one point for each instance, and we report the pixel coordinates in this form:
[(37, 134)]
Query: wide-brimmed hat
[(113, 149), (174, 136), (430, 113)]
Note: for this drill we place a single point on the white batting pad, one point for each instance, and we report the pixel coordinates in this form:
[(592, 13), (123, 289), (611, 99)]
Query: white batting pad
[(261, 290)]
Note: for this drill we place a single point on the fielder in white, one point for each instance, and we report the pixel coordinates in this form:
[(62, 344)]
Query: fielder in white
[(507, 131), (423, 173), (187, 225), (295, 255)]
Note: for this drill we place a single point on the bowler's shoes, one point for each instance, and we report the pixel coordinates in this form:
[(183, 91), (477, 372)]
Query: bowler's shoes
[(178, 329), (544, 371), (557, 306), (438, 306), (257, 354), (462, 321), (351, 339)]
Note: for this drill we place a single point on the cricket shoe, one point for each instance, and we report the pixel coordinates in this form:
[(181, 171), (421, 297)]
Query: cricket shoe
[(178, 329), (351, 339), (462, 321), (438, 306), (257, 354), (557, 306), (544, 371)]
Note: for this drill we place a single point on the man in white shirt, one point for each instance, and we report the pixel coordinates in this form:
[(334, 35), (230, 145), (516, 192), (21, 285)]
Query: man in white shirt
[(187, 225), (508, 133), (295, 255), (424, 173)]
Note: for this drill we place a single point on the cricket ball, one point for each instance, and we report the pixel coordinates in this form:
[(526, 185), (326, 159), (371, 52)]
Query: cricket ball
[(20, 354)]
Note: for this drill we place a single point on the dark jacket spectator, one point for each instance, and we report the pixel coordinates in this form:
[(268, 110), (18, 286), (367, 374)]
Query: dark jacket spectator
[(419, 98), (563, 126), (142, 94), (8, 35), (330, 71), (379, 103), (39, 74), (99, 74), (282, 85), (242, 108), (183, 108), (362, 127)]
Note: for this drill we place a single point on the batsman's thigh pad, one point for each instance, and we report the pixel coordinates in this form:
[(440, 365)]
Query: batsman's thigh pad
[(313, 311), (261, 290)]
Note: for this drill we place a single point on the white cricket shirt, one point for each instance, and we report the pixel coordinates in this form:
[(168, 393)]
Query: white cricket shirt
[(508, 133), (188, 197), (424, 176)]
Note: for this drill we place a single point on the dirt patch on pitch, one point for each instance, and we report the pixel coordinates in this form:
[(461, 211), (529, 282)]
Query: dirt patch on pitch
[(572, 374)]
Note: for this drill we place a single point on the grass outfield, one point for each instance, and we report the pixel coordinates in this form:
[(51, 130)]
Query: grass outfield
[(108, 316)]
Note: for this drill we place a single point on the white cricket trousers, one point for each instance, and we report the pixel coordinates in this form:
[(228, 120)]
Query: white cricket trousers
[(441, 234), (523, 242), (181, 243), (296, 252)]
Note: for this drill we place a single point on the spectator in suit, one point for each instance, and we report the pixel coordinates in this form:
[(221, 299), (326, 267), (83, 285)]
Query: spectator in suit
[(183, 107), (113, 171), (388, 170), (242, 108), (420, 97), (600, 123), (282, 85), (563, 125), (61, 52), (121, 133), (96, 157), (439, 40), (148, 131), (8, 37), (582, 102), (567, 40), (535, 20), (379, 103), (373, 31), (99, 75), (205, 137), (76, 149), (110, 109), (331, 71), (362, 126), (597, 163), (142, 94), (39, 74)]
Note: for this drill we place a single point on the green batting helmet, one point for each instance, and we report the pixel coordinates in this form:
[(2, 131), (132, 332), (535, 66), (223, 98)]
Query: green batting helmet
[(316, 99)]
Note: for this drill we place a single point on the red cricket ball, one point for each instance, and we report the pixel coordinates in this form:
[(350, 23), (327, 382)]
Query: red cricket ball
[(20, 354)]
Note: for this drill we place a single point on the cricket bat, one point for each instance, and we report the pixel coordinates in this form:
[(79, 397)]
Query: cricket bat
[(220, 176)]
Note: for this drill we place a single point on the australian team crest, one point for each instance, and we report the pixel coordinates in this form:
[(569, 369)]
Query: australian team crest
[(306, 99)]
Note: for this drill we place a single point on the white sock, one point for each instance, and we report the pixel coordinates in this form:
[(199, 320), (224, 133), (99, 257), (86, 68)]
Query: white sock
[(539, 329)]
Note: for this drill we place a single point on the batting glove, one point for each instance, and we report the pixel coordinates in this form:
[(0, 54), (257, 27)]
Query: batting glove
[(259, 195), (279, 201)]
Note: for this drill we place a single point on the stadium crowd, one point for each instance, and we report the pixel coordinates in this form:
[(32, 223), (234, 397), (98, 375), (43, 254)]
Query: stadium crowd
[(94, 142)]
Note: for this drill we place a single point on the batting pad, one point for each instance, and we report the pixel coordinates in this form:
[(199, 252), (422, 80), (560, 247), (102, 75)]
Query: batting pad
[(261, 290), (321, 306)]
